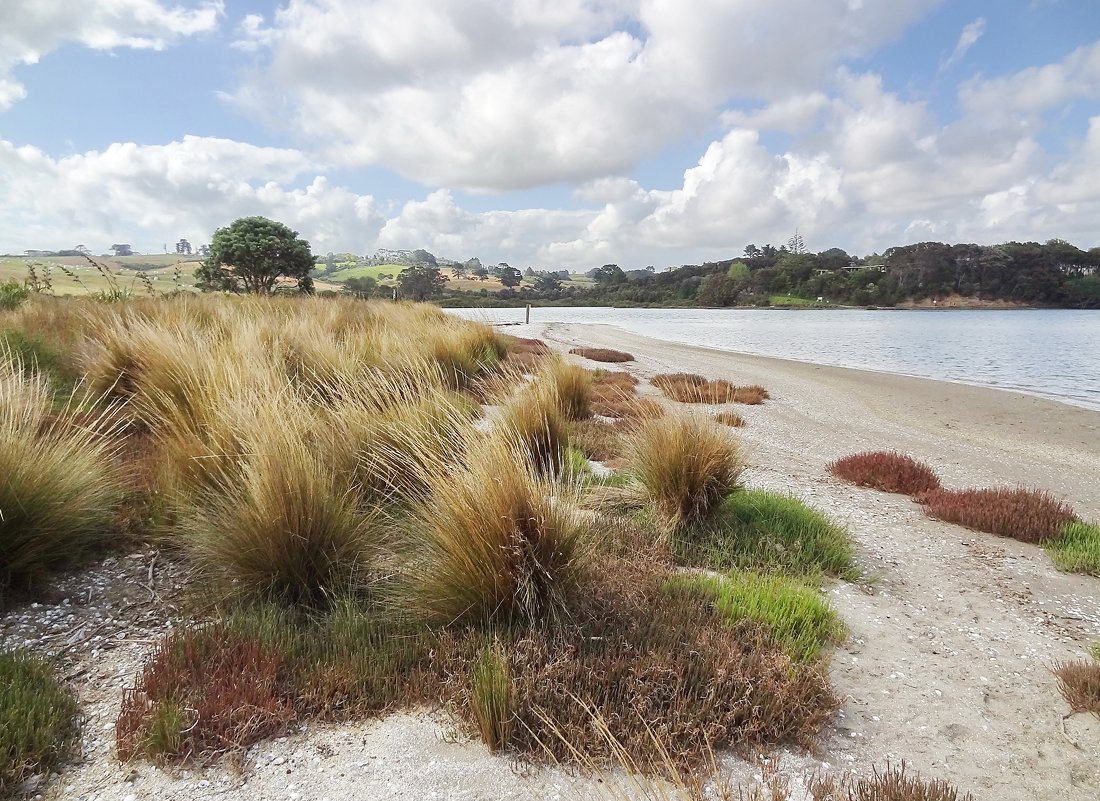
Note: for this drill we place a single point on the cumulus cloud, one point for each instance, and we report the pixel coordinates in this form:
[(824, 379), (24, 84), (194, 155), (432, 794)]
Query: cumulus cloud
[(493, 95), (149, 195), (31, 29)]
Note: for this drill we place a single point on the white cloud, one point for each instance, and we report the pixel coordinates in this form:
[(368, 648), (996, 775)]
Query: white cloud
[(33, 28), (149, 195), (495, 95), (967, 39), (1036, 89)]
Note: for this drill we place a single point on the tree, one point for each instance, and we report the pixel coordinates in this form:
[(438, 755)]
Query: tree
[(122, 250), (609, 274), (365, 287), (548, 284), (252, 254), (510, 276), (420, 282)]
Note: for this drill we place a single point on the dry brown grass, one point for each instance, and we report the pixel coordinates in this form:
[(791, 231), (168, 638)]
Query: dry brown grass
[(692, 388), (614, 395), (1022, 514), (603, 354), (893, 784), (597, 439), (730, 418), (1079, 682), (888, 471)]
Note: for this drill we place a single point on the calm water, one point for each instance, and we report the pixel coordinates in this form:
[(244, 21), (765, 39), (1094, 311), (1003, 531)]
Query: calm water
[(1051, 353)]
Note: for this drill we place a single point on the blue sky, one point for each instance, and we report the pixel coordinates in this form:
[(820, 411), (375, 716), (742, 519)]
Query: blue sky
[(555, 133)]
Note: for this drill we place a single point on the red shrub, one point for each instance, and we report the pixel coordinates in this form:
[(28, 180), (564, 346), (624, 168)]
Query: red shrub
[(1022, 514), (887, 471)]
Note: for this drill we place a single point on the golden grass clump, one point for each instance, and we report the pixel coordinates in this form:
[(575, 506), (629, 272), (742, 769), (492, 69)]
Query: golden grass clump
[(730, 418), (1079, 683), (534, 424), (887, 471), (686, 466), (280, 524), (692, 388), (570, 386), (58, 487), (493, 542), (603, 354)]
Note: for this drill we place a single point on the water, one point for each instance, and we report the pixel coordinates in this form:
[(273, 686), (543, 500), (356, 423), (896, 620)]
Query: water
[(1052, 353)]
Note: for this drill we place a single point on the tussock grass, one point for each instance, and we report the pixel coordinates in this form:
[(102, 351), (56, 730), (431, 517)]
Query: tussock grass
[(613, 395), (496, 543), (888, 471), (603, 355), (58, 488), (534, 423), (39, 719), (892, 783), (570, 386), (281, 526), (686, 466), (693, 388), (1076, 549), (794, 616), (1022, 514), (1079, 683), (731, 419), (768, 531)]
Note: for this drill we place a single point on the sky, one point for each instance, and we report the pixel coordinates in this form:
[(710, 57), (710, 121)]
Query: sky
[(551, 133)]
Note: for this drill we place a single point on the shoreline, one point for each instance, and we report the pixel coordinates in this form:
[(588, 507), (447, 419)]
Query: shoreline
[(948, 661)]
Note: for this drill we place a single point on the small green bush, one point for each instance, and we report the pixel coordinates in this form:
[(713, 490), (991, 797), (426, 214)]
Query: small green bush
[(794, 615), (12, 295), (38, 719), (1076, 549), (758, 530)]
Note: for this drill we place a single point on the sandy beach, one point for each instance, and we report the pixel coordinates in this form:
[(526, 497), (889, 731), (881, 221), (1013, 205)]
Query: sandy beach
[(947, 665), (948, 662)]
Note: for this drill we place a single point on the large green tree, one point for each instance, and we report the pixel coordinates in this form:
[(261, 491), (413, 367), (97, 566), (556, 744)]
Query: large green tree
[(420, 282), (251, 255)]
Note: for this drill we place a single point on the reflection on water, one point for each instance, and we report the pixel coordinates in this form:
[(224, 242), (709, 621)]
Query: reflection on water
[(1053, 353)]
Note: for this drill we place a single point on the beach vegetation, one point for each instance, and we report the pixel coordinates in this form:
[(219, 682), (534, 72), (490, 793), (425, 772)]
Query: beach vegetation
[(597, 439), (693, 388), (603, 354), (59, 488), (793, 615), (730, 418), (769, 532), (1023, 514), (686, 466), (40, 719), (1077, 548), (1079, 683), (570, 385), (888, 471)]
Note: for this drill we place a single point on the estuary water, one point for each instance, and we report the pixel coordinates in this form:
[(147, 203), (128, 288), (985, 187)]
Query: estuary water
[(1052, 353)]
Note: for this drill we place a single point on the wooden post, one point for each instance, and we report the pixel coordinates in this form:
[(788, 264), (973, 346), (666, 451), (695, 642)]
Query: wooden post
[(528, 317)]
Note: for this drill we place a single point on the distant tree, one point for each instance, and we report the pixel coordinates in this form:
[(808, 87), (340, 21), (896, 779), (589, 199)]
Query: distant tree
[(122, 250), (481, 273), (252, 254), (510, 276), (458, 269), (609, 274), (795, 244), (420, 282), (365, 287), (183, 248), (529, 272), (421, 256), (548, 284), (752, 251)]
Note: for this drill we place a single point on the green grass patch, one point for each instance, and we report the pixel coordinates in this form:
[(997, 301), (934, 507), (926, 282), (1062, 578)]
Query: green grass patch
[(373, 271), (1076, 549), (795, 616), (790, 301), (38, 719), (36, 354), (769, 531)]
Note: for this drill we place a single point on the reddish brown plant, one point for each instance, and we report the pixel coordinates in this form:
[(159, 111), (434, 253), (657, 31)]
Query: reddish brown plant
[(1022, 514), (888, 471)]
